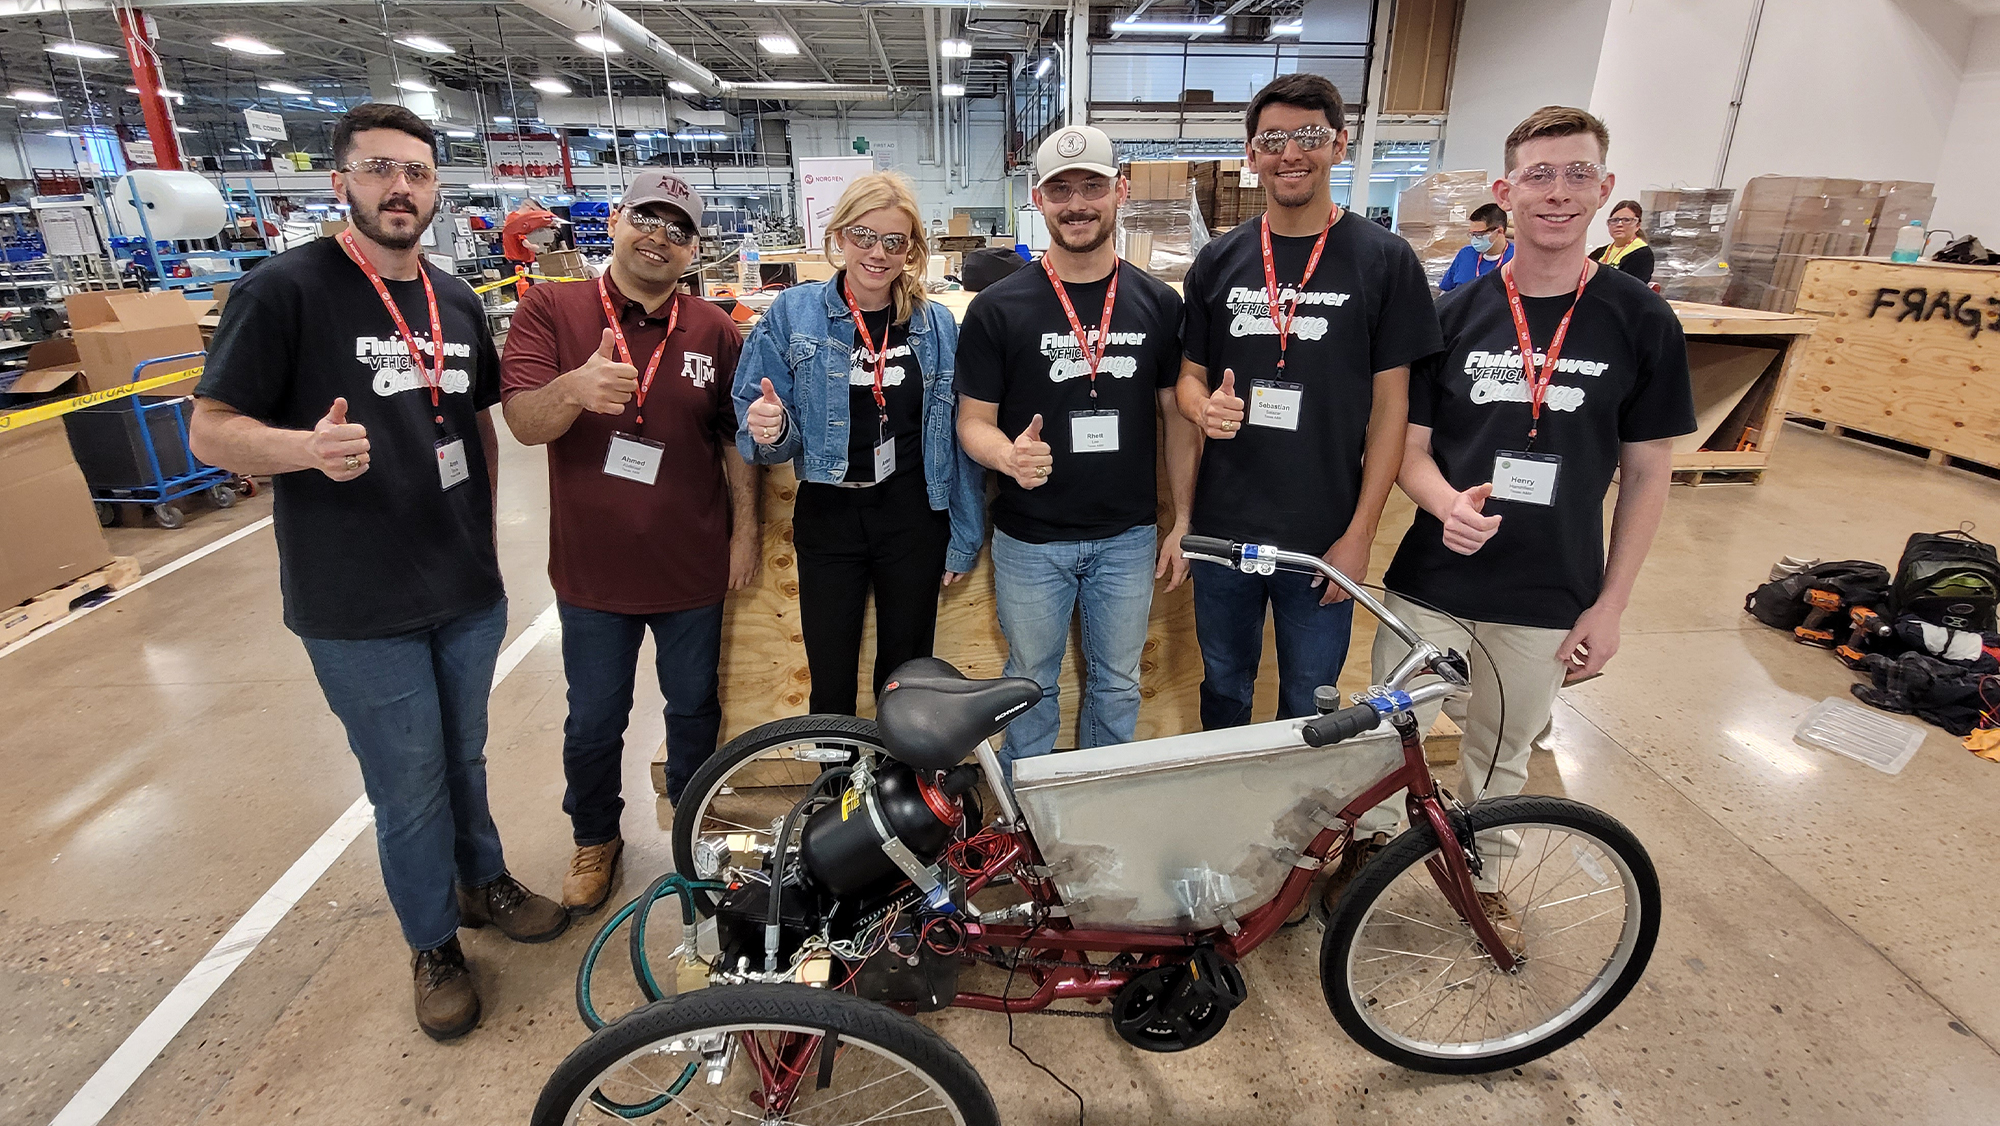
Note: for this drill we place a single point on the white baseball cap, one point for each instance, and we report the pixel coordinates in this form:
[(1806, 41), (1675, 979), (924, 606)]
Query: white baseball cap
[(1076, 146)]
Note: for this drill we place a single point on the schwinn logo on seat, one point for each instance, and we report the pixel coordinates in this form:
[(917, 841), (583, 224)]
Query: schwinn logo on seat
[(1010, 713)]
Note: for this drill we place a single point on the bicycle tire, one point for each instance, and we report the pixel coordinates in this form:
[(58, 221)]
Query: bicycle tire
[(1602, 992), (889, 1034), (701, 789)]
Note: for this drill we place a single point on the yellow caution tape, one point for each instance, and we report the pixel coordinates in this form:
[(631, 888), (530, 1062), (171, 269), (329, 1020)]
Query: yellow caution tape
[(490, 286), (57, 409)]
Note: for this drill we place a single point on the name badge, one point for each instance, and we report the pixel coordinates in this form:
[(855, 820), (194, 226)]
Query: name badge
[(452, 467), (634, 458), (1093, 432), (885, 459), (1525, 477), (1275, 404)]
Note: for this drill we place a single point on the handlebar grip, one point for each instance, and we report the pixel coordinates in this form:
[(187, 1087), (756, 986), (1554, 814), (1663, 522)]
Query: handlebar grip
[(1340, 726), (1212, 546)]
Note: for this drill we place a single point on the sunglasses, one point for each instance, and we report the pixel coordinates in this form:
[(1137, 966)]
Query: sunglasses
[(381, 171), (646, 224), (1062, 191), (1577, 175), (1309, 137), (864, 238)]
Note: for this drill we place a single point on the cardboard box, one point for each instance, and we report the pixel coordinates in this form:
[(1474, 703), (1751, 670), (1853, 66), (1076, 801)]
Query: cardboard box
[(328, 228), (560, 264), (52, 533), (959, 224), (116, 331), (813, 269), (55, 371)]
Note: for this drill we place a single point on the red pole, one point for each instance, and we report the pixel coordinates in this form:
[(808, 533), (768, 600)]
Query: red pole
[(146, 76), (569, 179)]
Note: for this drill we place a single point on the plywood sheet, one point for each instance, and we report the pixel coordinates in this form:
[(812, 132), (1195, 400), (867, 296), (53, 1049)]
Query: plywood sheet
[(1723, 374)]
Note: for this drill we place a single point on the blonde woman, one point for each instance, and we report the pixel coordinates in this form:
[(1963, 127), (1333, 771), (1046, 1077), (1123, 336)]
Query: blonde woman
[(851, 381)]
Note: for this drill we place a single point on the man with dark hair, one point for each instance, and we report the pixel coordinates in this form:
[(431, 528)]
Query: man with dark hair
[(1489, 250), (1300, 329), (1509, 461), (360, 377)]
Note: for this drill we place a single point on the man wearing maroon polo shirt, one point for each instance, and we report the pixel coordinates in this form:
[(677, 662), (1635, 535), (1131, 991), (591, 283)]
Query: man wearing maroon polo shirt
[(652, 513)]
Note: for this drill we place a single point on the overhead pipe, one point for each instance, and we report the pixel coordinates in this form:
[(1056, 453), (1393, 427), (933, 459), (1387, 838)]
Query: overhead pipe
[(931, 54), (146, 77)]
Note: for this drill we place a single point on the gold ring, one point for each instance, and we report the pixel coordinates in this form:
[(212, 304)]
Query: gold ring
[(353, 462), (1042, 471)]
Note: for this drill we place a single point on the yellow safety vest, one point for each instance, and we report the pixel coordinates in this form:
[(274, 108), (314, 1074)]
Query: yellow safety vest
[(1613, 253)]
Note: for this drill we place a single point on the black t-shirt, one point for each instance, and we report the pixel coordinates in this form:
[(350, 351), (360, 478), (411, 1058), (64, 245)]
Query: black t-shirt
[(902, 392), (1622, 377), (1367, 309), (391, 551), (1017, 349)]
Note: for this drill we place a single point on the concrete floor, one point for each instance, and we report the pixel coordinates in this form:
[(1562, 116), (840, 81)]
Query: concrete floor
[(1827, 954)]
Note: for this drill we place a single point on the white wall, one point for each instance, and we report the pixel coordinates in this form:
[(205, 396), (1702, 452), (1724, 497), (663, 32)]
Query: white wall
[(43, 151), (1968, 176), (937, 192), (1515, 56)]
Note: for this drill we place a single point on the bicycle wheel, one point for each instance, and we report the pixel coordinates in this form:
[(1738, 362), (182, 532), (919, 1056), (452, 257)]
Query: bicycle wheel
[(1407, 979), (758, 1053), (748, 786)]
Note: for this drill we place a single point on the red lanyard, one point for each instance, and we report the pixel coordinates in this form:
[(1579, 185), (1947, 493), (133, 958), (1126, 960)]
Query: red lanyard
[(868, 342), (1479, 273), (1538, 381), (435, 377), (1284, 323), (1094, 359), (625, 352)]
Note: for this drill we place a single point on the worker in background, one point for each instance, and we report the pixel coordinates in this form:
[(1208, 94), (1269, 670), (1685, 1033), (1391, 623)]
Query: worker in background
[(851, 380), (528, 230), (1626, 251), (1300, 330), (1489, 249), (360, 376), (1509, 464), (1066, 370), (652, 512)]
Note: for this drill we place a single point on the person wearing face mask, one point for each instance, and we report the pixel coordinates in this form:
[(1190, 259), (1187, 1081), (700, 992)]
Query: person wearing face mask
[(1489, 250), (1063, 368), (652, 511), (851, 380)]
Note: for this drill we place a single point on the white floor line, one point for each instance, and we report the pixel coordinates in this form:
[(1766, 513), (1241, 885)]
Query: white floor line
[(115, 1077), (194, 556)]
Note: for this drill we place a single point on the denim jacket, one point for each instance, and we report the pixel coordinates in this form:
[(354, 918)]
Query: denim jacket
[(803, 345)]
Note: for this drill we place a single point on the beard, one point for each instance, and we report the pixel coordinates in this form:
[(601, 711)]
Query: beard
[(1291, 193), (1088, 243), (370, 220)]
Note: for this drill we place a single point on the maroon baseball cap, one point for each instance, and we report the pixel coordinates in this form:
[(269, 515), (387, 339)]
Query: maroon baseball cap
[(667, 188)]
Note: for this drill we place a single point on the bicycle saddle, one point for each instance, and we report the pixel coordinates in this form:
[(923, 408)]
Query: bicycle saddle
[(931, 716)]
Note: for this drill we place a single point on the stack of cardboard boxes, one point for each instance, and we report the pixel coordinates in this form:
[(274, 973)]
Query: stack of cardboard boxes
[(1783, 221), (1688, 231), (1432, 214)]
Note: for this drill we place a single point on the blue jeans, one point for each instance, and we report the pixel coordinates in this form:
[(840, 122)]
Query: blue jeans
[(1035, 586), (600, 658), (1229, 623), (415, 711)]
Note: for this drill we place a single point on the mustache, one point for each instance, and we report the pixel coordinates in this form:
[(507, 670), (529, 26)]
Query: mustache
[(1077, 216), (399, 203)]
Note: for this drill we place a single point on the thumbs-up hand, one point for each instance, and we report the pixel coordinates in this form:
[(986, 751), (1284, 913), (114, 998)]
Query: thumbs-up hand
[(766, 417), (1466, 527), (337, 447), (603, 385), (1032, 457), (1222, 415)]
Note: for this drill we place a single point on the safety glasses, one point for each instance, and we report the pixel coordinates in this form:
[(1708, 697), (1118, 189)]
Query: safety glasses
[(1309, 137), (864, 238)]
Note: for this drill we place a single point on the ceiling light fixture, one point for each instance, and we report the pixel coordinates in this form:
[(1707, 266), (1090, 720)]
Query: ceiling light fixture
[(549, 84), (778, 44), (603, 136), (185, 129), (244, 45), (701, 137), (599, 44), (955, 48), (498, 120), (1161, 27), (45, 115), (327, 102), (77, 50), (642, 136), (62, 133), (1292, 27), (34, 96), (164, 93), (461, 134), (414, 86), (952, 89), (1042, 68), (427, 45), (283, 88), (679, 87)]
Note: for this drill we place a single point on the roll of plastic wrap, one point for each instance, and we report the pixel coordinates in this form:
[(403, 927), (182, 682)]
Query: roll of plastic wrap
[(179, 205)]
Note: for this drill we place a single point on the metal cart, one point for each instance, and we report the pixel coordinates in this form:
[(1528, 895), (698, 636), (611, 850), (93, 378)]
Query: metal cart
[(140, 455)]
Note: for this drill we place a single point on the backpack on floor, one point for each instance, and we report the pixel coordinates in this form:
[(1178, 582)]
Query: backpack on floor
[(1786, 603), (1948, 579)]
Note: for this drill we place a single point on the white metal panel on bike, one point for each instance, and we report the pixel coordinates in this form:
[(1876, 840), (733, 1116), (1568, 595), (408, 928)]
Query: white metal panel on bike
[(1179, 833)]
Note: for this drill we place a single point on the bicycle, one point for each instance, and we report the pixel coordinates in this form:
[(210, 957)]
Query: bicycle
[(1481, 938)]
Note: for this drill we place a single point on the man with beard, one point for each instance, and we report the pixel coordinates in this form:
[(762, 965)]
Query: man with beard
[(652, 512), (1064, 369), (360, 378), (1301, 328)]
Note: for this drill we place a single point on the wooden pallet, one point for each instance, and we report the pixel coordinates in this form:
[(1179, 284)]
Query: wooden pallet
[(43, 609), (1883, 441), (1738, 476)]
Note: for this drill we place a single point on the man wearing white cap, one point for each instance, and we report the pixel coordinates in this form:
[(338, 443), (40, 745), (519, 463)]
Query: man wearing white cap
[(652, 513), (1065, 370)]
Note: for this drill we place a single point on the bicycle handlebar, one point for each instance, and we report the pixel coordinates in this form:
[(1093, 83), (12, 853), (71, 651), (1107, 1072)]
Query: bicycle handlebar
[(1250, 557), (1340, 726)]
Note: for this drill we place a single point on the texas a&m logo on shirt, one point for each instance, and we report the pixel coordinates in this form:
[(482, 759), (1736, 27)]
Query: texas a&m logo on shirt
[(698, 369)]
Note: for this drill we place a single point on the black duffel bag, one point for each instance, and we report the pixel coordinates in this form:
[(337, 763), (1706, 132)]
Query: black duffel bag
[(1781, 604)]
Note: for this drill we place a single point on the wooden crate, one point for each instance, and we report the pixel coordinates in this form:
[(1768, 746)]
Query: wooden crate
[(36, 612), (1744, 361), (1909, 351)]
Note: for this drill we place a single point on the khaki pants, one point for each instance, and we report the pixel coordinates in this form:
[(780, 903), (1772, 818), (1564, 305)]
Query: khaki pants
[(1492, 760)]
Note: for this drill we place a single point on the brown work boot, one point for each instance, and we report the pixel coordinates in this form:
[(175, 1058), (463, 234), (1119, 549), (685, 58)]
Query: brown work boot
[(591, 870), (1501, 914), (519, 913), (1357, 853), (447, 1004)]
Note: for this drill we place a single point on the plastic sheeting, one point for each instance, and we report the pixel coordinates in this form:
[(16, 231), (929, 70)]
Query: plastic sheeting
[(1162, 236), (1190, 831), (179, 205), (1433, 214)]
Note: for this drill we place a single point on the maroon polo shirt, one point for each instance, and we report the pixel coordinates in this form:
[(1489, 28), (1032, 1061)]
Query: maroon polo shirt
[(614, 544)]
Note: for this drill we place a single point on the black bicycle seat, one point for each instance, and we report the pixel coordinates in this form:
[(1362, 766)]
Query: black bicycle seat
[(931, 716)]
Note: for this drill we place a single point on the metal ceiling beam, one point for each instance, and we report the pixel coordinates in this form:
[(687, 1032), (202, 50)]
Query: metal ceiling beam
[(804, 47), (875, 37)]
